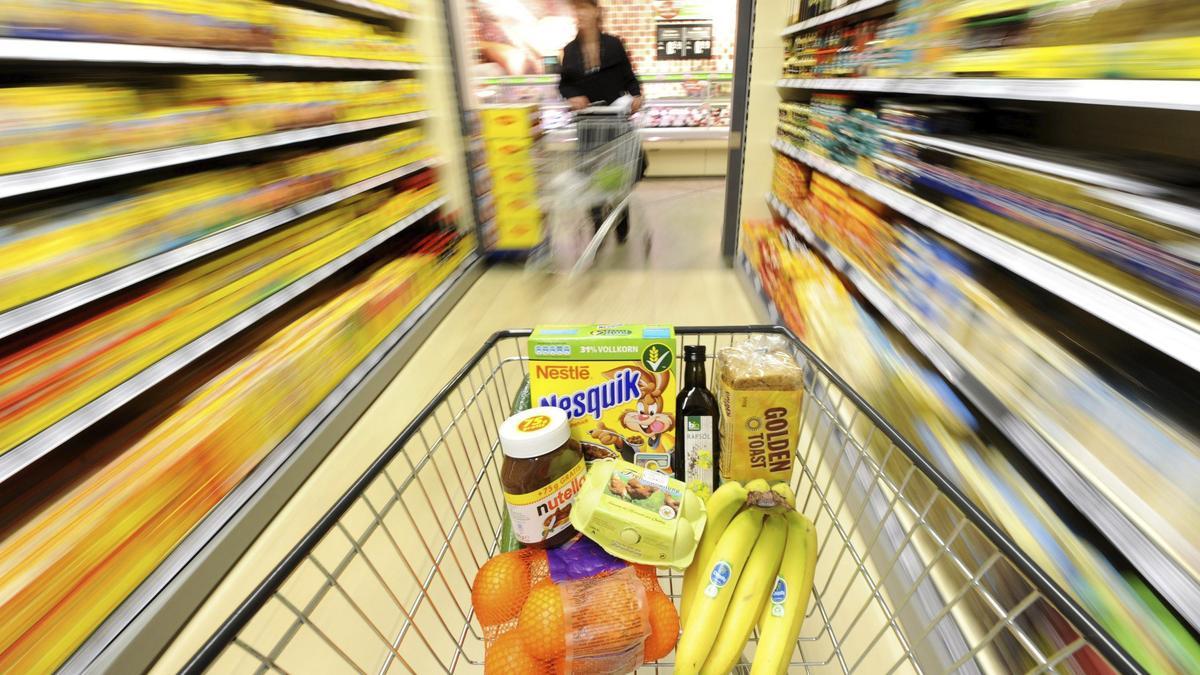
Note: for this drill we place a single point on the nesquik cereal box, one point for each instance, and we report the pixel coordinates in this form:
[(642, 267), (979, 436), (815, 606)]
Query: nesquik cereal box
[(617, 385)]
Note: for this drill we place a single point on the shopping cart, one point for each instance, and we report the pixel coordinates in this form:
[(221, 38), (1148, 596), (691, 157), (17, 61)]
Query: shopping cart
[(910, 576), (589, 180)]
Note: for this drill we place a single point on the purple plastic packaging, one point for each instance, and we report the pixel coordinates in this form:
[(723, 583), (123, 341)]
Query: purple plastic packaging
[(580, 558)]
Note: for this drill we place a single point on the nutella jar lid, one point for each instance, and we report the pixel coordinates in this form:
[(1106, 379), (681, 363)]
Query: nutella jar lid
[(534, 432)]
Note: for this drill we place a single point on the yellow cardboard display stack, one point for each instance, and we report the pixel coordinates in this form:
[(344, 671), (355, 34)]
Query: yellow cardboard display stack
[(510, 133)]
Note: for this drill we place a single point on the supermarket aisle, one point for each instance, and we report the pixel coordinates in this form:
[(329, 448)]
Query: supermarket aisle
[(675, 226), (669, 272)]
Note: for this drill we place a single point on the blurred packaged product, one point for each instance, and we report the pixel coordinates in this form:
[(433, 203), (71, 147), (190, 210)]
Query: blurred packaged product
[(790, 180), (836, 50), (839, 131), (50, 377), (303, 31), (512, 137), (918, 401), (250, 25), (794, 122), (47, 249), (49, 125), (1134, 39), (171, 466)]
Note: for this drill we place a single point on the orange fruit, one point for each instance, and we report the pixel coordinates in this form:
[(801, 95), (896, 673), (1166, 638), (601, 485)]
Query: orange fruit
[(664, 626), (507, 656), (500, 588), (542, 626)]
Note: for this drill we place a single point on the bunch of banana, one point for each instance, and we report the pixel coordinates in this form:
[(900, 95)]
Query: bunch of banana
[(754, 564)]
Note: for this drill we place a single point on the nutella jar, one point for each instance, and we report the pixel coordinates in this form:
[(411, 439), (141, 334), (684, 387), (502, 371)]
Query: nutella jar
[(542, 472)]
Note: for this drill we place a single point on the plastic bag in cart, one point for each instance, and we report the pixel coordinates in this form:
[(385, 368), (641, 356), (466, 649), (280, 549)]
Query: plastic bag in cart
[(581, 611)]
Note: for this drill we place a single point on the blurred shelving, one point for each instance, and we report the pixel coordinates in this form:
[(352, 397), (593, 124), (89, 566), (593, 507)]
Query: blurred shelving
[(38, 180), (173, 262), (275, 478), (887, 368), (755, 288), (842, 12), (1071, 466), (38, 446), (988, 225), (1137, 195), (20, 50), (38, 311), (1170, 333), (1159, 94), (877, 296)]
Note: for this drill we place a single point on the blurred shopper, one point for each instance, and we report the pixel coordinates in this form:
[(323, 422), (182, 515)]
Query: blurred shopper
[(596, 69)]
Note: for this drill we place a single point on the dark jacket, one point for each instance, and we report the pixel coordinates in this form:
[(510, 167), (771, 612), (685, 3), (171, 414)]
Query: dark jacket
[(612, 80)]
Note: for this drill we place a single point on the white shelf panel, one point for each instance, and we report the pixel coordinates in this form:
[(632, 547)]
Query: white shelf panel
[(1159, 94), (1171, 335), (829, 17), (67, 51), (33, 313), (366, 8), (1137, 195)]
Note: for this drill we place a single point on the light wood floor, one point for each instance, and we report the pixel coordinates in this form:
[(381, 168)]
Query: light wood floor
[(669, 272)]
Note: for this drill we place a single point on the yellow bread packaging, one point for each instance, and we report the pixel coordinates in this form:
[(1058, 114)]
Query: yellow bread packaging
[(759, 389)]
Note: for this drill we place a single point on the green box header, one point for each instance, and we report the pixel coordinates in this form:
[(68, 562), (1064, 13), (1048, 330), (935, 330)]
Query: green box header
[(653, 345)]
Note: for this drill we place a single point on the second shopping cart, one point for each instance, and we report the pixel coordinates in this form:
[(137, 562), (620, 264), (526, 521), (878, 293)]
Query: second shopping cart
[(588, 174)]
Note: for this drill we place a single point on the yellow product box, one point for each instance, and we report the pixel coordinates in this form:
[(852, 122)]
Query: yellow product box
[(510, 152), (510, 180), (518, 205), (759, 390), (509, 121), (616, 384), (518, 233)]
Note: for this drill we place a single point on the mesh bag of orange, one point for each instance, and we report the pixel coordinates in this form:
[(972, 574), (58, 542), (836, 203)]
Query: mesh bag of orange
[(612, 621)]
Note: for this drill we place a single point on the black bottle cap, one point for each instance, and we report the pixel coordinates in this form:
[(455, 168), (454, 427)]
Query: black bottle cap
[(692, 353)]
